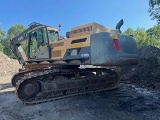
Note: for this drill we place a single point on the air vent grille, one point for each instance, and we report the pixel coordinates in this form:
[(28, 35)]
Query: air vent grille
[(56, 53)]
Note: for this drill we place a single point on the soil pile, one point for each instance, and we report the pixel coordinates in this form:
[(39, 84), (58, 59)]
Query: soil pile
[(147, 72), (8, 66)]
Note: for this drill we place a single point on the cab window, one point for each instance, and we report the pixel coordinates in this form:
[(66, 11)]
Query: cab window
[(42, 38), (53, 36)]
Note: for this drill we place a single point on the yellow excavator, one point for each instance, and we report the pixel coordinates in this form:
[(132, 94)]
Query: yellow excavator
[(51, 64)]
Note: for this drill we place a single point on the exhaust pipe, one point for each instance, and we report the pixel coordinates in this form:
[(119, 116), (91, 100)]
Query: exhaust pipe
[(119, 24)]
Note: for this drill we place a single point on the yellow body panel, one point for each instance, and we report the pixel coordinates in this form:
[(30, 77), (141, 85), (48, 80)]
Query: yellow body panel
[(78, 45), (60, 47)]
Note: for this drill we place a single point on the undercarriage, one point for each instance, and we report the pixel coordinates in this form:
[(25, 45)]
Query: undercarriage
[(43, 85)]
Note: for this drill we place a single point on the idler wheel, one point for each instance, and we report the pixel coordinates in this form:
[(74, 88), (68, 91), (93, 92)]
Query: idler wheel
[(30, 89)]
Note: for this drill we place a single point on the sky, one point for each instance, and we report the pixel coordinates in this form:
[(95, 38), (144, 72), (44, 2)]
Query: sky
[(72, 13)]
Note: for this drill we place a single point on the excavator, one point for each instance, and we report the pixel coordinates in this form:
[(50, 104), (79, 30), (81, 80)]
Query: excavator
[(53, 66)]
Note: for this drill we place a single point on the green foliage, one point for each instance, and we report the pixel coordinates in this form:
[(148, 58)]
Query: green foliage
[(2, 35), (154, 35), (153, 3), (141, 37), (146, 37), (6, 48), (11, 33), (139, 34), (130, 31), (15, 30), (154, 9)]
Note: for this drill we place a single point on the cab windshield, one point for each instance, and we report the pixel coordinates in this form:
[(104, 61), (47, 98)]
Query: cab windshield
[(53, 36)]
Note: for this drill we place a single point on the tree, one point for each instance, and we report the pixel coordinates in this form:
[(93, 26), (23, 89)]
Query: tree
[(142, 37), (154, 35), (11, 33), (15, 30), (2, 35), (152, 3), (146, 37), (154, 9), (139, 35), (130, 31)]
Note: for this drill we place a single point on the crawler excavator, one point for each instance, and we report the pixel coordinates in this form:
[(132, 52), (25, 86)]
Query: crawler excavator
[(51, 64)]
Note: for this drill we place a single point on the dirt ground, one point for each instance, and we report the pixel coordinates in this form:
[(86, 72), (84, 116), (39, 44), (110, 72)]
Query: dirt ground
[(137, 97), (147, 72), (128, 102), (8, 66)]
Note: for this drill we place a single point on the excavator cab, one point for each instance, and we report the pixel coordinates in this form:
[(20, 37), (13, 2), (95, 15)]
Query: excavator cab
[(33, 43), (38, 43)]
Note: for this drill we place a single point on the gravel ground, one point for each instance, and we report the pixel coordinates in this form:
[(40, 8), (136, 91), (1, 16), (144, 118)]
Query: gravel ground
[(128, 102), (8, 66)]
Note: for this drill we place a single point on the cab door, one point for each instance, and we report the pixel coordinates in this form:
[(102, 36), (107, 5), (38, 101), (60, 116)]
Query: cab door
[(39, 44), (43, 44)]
